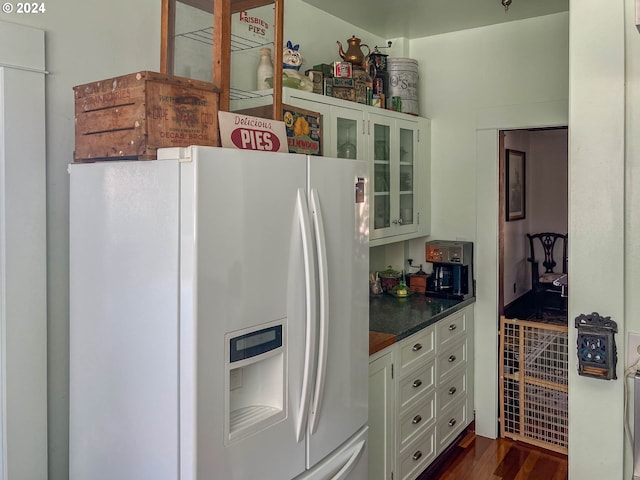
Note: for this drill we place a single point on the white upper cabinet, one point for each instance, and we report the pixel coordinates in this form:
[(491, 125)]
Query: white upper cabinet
[(397, 171)]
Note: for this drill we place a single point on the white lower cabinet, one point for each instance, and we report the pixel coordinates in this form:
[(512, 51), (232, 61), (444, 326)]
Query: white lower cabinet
[(381, 418), (416, 385), (414, 459), (452, 359), (450, 423), (420, 397), (415, 420), (451, 390)]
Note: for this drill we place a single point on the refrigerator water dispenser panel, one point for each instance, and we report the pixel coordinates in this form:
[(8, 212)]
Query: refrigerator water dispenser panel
[(255, 343), (254, 381)]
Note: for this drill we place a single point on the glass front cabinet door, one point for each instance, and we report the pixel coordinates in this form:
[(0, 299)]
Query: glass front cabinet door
[(346, 134), (347, 138), (406, 159), (394, 146)]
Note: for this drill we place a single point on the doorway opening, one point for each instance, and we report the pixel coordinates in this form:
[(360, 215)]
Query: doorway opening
[(533, 340), (542, 154)]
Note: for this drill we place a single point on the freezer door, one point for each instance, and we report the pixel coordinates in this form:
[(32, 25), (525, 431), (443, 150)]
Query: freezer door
[(349, 462), (123, 342), (340, 215), (250, 297)]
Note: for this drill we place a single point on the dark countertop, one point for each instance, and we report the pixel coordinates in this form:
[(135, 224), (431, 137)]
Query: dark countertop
[(403, 317)]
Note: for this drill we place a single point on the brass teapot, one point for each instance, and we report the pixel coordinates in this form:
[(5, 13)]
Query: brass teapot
[(354, 53)]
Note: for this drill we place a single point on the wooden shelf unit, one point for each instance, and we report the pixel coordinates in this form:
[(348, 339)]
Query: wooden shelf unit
[(221, 37)]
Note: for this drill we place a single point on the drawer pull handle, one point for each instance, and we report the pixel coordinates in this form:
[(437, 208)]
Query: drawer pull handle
[(452, 358), (416, 419), (416, 347), (452, 327), (417, 455), (452, 390), (417, 383), (452, 422)]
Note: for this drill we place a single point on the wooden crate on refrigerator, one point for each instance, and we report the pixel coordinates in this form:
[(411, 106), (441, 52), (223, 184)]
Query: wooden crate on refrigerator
[(131, 116)]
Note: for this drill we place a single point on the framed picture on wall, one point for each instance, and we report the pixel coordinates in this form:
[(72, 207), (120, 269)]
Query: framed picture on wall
[(515, 193)]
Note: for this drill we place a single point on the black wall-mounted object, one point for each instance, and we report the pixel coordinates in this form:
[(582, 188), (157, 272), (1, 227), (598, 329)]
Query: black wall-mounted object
[(597, 353)]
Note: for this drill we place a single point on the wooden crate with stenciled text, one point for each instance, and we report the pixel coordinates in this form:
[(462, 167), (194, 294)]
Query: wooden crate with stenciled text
[(131, 116)]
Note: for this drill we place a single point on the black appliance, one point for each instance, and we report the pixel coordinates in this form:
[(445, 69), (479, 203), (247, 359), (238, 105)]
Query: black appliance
[(452, 275)]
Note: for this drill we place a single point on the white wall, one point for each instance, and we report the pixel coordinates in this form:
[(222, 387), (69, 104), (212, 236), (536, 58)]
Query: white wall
[(318, 43), (463, 73), (515, 249), (23, 256), (597, 224), (632, 193), (85, 41)]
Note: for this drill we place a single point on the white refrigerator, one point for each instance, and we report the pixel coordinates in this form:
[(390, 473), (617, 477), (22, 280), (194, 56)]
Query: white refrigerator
[(219, 317)]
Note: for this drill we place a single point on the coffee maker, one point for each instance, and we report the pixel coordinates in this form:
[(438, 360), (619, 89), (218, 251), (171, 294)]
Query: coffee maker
[(452, 275)]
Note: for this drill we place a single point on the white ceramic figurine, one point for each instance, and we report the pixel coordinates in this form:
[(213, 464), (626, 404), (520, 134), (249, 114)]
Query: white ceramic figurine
[(291, 61), (291, 57)]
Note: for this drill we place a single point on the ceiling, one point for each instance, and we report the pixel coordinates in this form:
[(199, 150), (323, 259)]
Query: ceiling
[(421, 18)]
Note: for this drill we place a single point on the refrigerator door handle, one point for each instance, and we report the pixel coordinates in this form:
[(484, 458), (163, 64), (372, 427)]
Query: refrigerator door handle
[(310, 309), (323, 280), (346, 469)]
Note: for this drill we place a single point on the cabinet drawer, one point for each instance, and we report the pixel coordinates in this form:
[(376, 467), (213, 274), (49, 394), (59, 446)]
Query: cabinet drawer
[(451, 358), (416, 349), (451, 328), (451, 390), (415, 420), (417, 456), (451, 424), (413, 385)]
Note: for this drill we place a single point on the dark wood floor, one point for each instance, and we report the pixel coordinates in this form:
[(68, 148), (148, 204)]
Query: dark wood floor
[(480, 458)]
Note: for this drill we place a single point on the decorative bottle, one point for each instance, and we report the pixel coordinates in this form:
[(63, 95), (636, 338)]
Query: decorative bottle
[(265, 69)]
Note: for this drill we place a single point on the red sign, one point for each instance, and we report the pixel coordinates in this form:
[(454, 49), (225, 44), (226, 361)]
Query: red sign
[(248, 139), (252, 133)]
